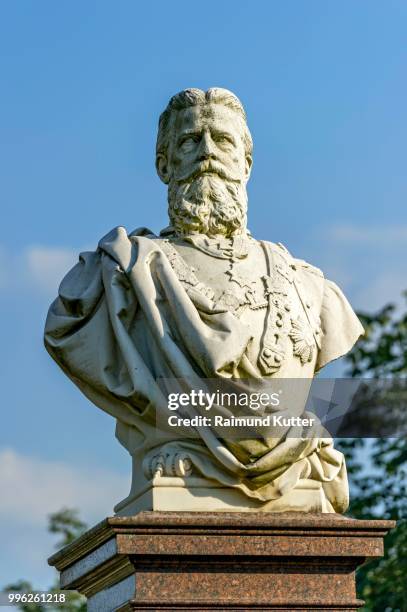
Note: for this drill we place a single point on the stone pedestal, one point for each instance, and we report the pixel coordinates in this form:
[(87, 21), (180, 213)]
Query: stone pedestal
[(192, 494), (221, 561)]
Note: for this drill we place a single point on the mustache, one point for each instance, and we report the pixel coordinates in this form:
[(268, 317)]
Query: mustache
[(207, 166)]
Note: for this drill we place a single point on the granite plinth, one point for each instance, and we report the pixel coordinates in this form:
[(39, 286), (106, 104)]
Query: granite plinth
[(221, 561)]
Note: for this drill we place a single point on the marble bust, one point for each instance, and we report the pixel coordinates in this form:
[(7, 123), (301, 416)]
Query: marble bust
[(203, 300)]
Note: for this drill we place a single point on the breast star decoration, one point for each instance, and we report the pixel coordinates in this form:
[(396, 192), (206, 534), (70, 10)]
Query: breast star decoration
[(303, 342)]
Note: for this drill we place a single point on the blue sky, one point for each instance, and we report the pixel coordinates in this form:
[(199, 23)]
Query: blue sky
[(82, 88)]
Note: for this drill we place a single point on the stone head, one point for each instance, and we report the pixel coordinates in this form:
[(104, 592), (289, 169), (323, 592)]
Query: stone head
[(204, 154), (199, 130)]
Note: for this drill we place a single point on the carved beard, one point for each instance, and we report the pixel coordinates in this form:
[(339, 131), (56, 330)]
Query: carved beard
[(207, 204)]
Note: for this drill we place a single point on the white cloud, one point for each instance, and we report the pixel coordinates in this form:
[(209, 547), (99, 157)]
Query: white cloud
[(37, 268), (32, 488), (387, 236), (368, 262), (385, 288), (46, 266)]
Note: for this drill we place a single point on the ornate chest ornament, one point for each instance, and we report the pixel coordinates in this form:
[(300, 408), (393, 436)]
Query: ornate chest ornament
[(245, 292), (185, 273), (277, 284), (304, 345), (270, 291)]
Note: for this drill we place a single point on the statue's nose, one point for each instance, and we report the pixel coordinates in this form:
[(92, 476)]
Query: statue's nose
[(207, 148)]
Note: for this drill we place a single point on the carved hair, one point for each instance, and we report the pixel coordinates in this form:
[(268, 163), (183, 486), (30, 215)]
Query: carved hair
[(198, 97)]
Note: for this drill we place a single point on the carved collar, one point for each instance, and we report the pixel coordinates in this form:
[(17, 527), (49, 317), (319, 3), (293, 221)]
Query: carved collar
[(234, 248)]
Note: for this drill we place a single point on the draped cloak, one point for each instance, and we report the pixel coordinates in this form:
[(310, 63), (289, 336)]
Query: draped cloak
[(123, 320)]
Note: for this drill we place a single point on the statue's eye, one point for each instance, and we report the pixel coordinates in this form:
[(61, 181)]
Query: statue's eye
[(223, 139), (188, 142)]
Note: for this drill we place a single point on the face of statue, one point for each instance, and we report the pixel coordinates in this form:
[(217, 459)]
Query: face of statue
[(208, 140), (207, 170)]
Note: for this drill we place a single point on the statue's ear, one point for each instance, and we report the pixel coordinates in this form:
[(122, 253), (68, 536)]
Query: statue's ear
[(248, 166), (161, 164)]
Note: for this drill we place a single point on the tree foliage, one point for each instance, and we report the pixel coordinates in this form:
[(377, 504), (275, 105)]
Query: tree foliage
[(381, 492), (66, 523)]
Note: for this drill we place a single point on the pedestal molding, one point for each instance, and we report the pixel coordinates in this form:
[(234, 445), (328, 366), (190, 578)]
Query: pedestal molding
[(229, 561)]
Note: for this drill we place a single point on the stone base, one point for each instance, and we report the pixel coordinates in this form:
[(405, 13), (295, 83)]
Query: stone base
[(225, 561), (192, 494)]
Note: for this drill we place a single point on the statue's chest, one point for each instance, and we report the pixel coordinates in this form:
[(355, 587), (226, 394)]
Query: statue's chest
[(261, 290), (235, 284)]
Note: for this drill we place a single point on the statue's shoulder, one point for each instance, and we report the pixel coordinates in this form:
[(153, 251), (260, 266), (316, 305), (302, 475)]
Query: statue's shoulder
[(306, 267), (119, 236), (294, 262), (143, 232)]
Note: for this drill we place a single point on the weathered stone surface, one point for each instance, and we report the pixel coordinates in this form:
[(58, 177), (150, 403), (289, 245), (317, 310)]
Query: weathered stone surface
[(237, 561)]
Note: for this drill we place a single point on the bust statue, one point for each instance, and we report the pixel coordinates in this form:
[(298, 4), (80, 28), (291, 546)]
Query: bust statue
[(204, 300)]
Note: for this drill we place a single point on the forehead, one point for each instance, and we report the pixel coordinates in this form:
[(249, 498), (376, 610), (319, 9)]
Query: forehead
[(215, 116)]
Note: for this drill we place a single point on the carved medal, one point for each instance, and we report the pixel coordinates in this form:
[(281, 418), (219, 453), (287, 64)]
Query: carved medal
[(302, 339)]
